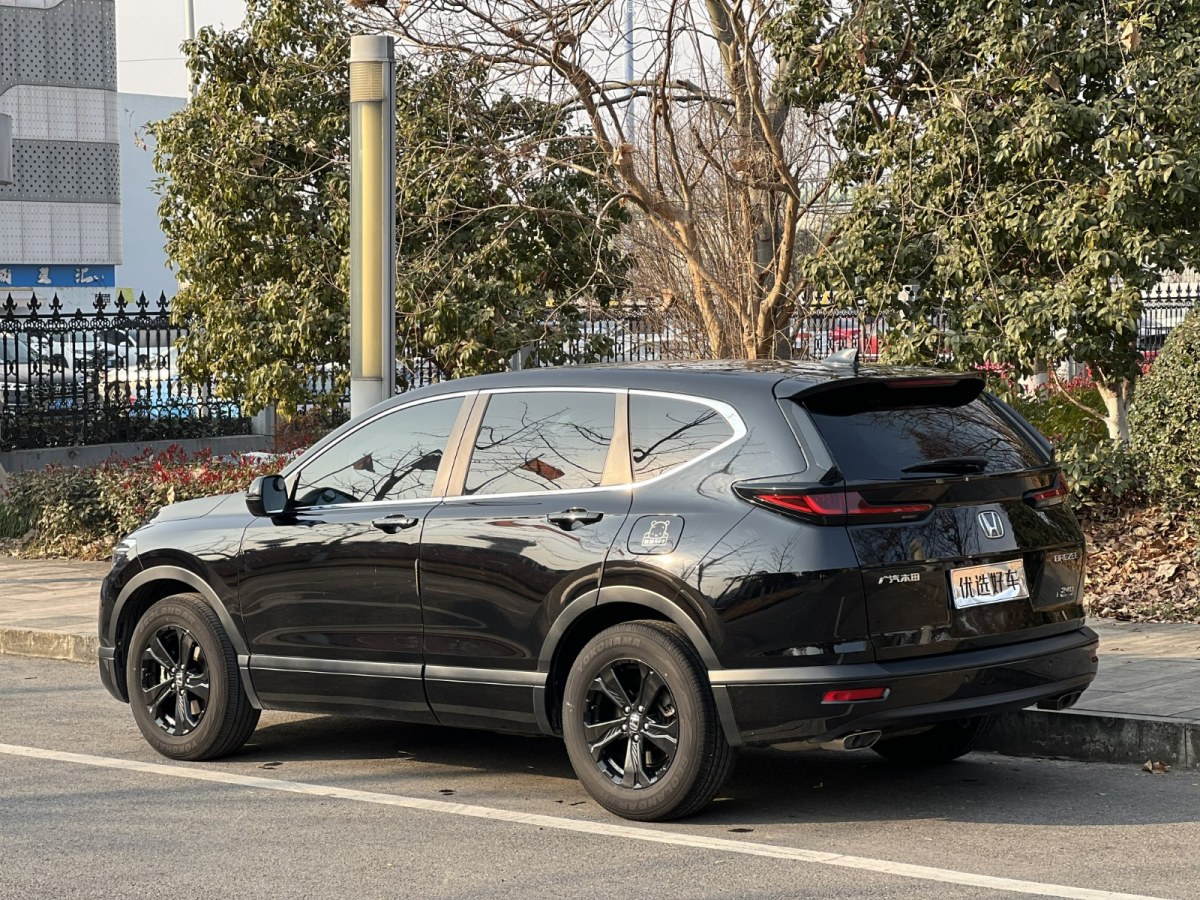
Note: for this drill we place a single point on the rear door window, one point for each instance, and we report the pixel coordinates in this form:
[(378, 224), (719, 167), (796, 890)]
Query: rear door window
[(542, 441), (665, 432), (880, 444)]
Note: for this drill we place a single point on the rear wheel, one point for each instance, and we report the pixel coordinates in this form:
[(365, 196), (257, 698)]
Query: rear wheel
[(641, 726), (940, 744), (183, 682)]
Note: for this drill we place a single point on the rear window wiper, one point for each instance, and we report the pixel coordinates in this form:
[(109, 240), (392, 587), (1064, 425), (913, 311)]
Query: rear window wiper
[(957, 465)]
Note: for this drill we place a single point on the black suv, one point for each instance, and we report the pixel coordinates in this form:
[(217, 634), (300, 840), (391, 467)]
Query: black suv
[(660, 563)]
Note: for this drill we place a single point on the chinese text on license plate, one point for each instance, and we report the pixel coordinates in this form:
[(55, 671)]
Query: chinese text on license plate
[(976, 585)]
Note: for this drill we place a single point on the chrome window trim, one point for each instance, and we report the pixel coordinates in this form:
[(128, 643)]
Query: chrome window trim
[(722, 408), (291, 472)]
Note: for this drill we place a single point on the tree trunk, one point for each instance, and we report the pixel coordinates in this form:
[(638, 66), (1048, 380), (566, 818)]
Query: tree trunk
[(1116, 397)]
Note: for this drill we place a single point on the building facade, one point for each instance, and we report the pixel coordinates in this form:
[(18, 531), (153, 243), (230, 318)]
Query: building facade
[(60, 219)]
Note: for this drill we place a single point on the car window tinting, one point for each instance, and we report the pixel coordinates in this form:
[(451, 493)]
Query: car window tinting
[(542, 441), (395, 457), (879, 444), (665, 432)]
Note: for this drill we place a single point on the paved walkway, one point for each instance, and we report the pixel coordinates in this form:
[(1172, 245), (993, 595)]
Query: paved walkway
[(1145, 703)]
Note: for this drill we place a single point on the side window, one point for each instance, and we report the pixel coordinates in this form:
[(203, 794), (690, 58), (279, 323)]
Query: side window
[(395, 457), (665, 432), (542, 441)]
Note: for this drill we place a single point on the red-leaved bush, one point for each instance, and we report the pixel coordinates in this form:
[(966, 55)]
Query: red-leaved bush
[(83, 512)]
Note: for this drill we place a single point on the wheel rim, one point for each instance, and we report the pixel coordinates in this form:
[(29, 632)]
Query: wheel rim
[(631, 724), (174, 680)]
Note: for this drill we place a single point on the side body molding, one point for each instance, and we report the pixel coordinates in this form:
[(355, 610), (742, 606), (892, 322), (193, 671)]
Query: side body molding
[(194, 581), (619, 593)]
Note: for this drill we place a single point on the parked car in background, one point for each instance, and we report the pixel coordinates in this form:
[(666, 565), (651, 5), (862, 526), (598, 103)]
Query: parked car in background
[(659, 563), (30, 376)]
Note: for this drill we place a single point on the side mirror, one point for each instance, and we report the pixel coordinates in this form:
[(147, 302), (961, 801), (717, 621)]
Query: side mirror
[(267, 496)]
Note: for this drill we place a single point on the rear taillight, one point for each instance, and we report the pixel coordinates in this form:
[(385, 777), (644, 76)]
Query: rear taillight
[(837, 507), (1051, 496)]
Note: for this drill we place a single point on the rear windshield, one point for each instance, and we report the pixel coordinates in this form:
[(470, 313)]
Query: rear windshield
[(879, 444)]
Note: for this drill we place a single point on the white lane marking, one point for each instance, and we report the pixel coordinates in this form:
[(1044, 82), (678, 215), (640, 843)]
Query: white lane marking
[(629, 832)]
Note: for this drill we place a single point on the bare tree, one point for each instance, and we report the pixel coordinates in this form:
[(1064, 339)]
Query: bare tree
[(726, 177)]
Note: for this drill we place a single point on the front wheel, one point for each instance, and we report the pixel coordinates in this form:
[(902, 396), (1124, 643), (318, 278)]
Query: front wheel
[(940, 744), (183, 682), (641, 726)]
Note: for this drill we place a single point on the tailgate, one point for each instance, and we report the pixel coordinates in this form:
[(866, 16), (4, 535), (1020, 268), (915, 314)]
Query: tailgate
[(996, 556)]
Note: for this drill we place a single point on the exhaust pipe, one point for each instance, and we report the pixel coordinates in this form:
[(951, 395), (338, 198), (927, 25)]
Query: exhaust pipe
[(1059, 703), (859, 740)]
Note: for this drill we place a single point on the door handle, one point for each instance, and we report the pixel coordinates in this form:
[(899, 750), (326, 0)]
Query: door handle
[(570, 519), (392, 524)]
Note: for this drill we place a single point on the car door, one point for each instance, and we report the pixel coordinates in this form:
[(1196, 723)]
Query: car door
[(329, 592), (542, 489)]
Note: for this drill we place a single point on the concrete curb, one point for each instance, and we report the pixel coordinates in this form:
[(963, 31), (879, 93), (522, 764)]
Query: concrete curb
[(1096, 737), (81, 648), (1071, 734)]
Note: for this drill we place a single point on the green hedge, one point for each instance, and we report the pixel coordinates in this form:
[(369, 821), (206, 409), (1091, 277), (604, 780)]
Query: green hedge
[(1164, 421)]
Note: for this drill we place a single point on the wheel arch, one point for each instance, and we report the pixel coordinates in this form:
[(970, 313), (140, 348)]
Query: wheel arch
[(602, 608), (157, 583)]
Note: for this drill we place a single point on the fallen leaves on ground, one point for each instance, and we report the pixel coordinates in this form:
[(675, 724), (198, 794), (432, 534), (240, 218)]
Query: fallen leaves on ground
[(1143, 566)]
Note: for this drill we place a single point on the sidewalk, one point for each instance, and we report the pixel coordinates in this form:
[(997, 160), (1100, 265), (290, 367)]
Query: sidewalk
[(1144, 705)]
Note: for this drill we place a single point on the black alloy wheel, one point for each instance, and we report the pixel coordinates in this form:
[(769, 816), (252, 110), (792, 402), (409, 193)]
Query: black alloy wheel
[(174, 682), (184, 689), (641, 725), (631, 723)]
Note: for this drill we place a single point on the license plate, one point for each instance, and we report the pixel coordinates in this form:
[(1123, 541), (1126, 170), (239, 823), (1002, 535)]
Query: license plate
[(994, 583)]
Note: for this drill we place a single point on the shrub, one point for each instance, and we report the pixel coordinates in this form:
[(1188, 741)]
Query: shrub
[(1164, 420), (84, 512), (1100, 471), (1057, 413), (306, 428), (14, 522)]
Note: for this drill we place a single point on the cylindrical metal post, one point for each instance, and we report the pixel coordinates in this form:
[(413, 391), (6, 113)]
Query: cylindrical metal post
[(372, 221)]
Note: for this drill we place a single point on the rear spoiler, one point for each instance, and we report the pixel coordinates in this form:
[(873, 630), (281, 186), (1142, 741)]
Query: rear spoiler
[(845, 396)]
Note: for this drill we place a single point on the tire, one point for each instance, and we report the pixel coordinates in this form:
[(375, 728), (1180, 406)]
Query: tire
[(665, 779), (197, 710), (942, 743)]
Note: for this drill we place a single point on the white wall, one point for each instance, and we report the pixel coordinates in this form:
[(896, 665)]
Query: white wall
[(145, 266)]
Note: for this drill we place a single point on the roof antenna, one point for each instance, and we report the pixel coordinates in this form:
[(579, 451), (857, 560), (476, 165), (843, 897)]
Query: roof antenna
[(843, 359)]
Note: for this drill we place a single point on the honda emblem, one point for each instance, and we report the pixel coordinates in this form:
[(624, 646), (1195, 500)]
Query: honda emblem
[(991, 523)]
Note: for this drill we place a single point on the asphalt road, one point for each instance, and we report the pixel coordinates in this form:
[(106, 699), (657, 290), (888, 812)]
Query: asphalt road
[(319, 806)]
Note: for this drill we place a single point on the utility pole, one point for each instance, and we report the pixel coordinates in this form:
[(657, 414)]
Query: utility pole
[(372, 220)]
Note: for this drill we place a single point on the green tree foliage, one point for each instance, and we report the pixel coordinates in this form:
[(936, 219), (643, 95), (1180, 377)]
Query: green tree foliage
[(1031, 165), (497, 246), (1165, 419)]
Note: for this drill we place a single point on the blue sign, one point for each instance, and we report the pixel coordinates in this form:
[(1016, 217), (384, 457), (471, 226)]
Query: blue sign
[(47, 278)]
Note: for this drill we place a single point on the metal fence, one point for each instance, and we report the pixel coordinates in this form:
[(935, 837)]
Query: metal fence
[(107, 375), (111, 375)]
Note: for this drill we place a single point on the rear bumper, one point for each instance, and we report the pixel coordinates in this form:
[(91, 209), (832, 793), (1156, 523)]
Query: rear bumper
[(772, 706)]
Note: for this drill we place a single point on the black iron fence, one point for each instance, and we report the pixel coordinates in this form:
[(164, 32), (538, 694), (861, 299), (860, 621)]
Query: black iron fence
[(105, 375), (110, 374)]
